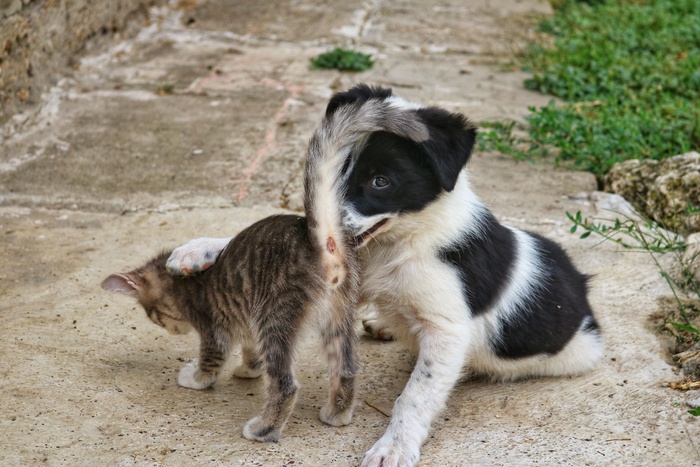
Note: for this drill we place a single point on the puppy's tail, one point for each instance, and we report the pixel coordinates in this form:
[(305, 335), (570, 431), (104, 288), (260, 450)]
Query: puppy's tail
[(323, 194)]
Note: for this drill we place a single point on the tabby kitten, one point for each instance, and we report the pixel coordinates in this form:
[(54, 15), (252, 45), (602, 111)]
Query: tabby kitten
[(265, 286)]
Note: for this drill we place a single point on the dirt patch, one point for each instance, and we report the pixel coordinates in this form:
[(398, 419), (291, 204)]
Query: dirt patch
[(683, 345)]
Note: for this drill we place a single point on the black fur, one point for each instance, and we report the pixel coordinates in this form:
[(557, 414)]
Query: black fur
[(412, 182), (451, 141), (554, 313), (484, 262), (543, 324), (358, 94)]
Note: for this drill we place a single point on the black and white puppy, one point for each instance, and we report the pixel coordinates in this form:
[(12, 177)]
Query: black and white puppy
[(444, 274)]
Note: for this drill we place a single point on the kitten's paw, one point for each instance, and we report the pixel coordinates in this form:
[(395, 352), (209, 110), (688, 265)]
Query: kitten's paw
[(330, 415), (387, 453), (190, 377), (377, 330), (256, 430), (195, 256), (244, 371)]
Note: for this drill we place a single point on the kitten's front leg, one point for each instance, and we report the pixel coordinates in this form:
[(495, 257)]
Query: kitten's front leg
[(204, 371), (196, 255)]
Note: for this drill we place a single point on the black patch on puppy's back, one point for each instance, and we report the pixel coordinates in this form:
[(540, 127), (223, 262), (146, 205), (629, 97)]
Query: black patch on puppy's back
[(484, 261), (546, 321)]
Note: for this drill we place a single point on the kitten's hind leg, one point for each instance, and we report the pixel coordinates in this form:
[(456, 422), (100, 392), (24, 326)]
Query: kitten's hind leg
[(251, 366), (204, 371), (281, 391), (339, 340), (196, 255)]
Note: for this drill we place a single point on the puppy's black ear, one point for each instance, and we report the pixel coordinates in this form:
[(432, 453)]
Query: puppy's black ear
[(450, 145), (358, 93)]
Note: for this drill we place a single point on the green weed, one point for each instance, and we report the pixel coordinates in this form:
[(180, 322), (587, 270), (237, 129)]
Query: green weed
[(344, 60), (629, 73), (648, 236)]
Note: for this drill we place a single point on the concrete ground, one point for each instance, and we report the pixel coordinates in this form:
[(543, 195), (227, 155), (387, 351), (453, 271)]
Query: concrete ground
[(197, 127)]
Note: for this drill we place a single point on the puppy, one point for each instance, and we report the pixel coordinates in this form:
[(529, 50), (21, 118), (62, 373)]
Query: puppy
[(465, 290)]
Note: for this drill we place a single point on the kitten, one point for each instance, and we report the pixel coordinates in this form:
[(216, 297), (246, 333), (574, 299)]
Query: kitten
[(266, 285)]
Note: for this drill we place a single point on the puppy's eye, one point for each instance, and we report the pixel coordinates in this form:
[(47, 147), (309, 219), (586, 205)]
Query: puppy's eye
[(380, 182)]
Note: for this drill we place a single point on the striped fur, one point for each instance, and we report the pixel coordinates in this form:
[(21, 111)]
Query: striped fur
[(265, 287)]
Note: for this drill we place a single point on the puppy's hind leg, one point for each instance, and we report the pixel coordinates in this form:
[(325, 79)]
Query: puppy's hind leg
[(373, 325)]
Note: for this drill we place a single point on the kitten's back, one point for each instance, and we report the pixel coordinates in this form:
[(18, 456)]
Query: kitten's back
[(272, 260)]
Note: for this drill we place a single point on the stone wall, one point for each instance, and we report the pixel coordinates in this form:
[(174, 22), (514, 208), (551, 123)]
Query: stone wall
[(38, 38)]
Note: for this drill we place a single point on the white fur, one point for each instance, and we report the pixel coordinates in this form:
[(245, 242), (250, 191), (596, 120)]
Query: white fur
[(419, 294), (244, 371), (193, 256), (580, 355), (401, 103), (415, 291), (187, 378), (326, 213)]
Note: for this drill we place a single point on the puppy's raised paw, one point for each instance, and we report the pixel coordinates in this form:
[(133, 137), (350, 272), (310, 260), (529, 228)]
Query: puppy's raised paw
[(195, 256)]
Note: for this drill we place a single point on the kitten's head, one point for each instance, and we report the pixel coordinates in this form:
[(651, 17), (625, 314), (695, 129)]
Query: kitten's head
[(152, 286)]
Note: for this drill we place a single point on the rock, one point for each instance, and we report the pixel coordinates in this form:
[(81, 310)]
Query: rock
[(613, 206), (667, 191), (691, 256)]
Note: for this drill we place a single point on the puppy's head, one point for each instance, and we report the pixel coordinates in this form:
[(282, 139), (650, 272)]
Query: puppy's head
[(409, 158)]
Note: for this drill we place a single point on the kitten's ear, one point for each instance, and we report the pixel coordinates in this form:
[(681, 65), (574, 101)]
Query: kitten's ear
[(122, 283)]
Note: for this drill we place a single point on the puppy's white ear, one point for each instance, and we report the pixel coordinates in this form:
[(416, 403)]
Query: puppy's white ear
[(359, 93), (452, 138), (122, 283)]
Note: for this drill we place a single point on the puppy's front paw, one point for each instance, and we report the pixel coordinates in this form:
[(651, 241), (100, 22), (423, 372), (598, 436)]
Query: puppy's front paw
[(256, 430), (195, 256), (190, 377), (386, 453), (377, 330), (330, 415)]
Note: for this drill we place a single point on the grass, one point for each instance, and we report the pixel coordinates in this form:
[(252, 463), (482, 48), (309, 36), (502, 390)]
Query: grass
[(628, 72), (344, 60)]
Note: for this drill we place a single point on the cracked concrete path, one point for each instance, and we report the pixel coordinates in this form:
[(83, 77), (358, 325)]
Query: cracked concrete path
[(197, 127)]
